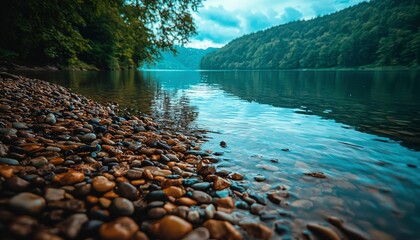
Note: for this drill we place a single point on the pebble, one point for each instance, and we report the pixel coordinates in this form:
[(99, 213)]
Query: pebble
[(54, 194), (50, 119), (256, 230), (302, 203), (173, 228), (200, 233), (257, 208), (156, 196), (127, 190), (17, 184), (323, 232), (259, 178), (39, 162), (201, 197), (121, 207), (70, 178), (23, 226), (122, 228), (173, 191), (9, 161), (222, 230), (316, 174), (3, 150), (88, 137), (28, 203), (201, 186), (102, 184), (277, 197), (134, 174), (73, 224), (220, 184), (157, 212)]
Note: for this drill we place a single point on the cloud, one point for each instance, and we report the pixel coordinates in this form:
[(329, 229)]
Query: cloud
[(220, 16), (221, 21)]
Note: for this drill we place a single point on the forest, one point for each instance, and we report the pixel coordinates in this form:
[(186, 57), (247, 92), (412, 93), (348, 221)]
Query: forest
[(374, 33), (102, 34)]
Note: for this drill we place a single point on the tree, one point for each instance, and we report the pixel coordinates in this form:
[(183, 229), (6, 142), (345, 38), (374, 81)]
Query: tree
[(103, 33)]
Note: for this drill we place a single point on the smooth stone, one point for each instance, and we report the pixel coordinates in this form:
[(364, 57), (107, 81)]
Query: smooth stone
[(193, 217), (302, 203), (39, 162), (23, 226), (173, 228), (156, 213), (222, 193), (102, 184), (28, 203), (127, 190), (172, 157), (156, 196), (122, 228), (189, 182), (70, 178), (282, 227), (210, 210), (256, 230), (200, 233), (203, 186), (121, 207), (50, 119), (316, 174), (182, 211), (226, 202), (173, 191), (18, 184), (73, 224), (20, 125), (238, 187), (54, 194), (242, 205), (259, 198), (220, 184), (88, 137), (323, 232), (3, 150), (257, 208), (201, 197), (277, 197), (259, 178), (134, 174), (9, 161), (222, 230), (8, 132)]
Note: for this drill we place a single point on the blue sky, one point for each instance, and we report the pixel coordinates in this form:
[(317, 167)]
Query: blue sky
[(220, 21)]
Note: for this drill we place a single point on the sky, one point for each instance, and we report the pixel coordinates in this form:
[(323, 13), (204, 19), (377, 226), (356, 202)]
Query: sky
[(220, 21)]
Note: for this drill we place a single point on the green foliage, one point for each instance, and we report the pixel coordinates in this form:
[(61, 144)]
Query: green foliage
[(185, 58), (109, 34), (379, 32)]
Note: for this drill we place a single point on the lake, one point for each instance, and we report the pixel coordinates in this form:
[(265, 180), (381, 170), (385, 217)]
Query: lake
[(361, 129)]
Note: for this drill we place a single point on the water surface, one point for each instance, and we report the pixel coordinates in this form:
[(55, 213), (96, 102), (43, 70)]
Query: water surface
[(360, 128)]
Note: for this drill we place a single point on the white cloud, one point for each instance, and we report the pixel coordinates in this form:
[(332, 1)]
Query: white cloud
[(221, 21)]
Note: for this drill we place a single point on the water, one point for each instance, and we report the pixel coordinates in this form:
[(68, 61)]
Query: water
[(360, 128)]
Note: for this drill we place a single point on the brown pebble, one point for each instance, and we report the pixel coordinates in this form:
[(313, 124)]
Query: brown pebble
[(220, 184), (173, 191), (256, 230), (173, 228), (323, 232), (122, 228), (69, 178), (102, 184)]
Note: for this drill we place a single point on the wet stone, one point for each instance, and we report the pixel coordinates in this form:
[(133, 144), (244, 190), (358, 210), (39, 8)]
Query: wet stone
[(200, 233), (210, 210), (54, 194), (73, 224), (222, 193), (17, 184), (259, 178), (134, 174), (220, 184), (28, 203), (242, 205), (50, 119), (23, 226), (121, 207), (3, 150), (39, 162), (102, 184), (19, 125), (88, 137), (127, 190), (193, 217), (156, 196), (173, 228), (202, 197), (256, 230), (156, 213), (257, 209), (9, 161), (122, 228), (201, 186)]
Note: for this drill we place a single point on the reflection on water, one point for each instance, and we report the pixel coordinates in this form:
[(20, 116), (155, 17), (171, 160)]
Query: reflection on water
[(385, 103), (282, 124)]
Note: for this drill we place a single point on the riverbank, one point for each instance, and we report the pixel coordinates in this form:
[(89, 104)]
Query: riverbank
[(72, 168)]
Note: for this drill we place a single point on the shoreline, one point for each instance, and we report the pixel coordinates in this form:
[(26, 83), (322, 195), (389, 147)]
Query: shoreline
[(73, 168)]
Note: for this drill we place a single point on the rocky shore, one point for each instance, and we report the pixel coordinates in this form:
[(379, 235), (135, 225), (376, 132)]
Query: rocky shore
[(71, 168)]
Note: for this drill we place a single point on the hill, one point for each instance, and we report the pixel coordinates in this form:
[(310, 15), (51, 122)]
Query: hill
[(379, 33), (186, 58)]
